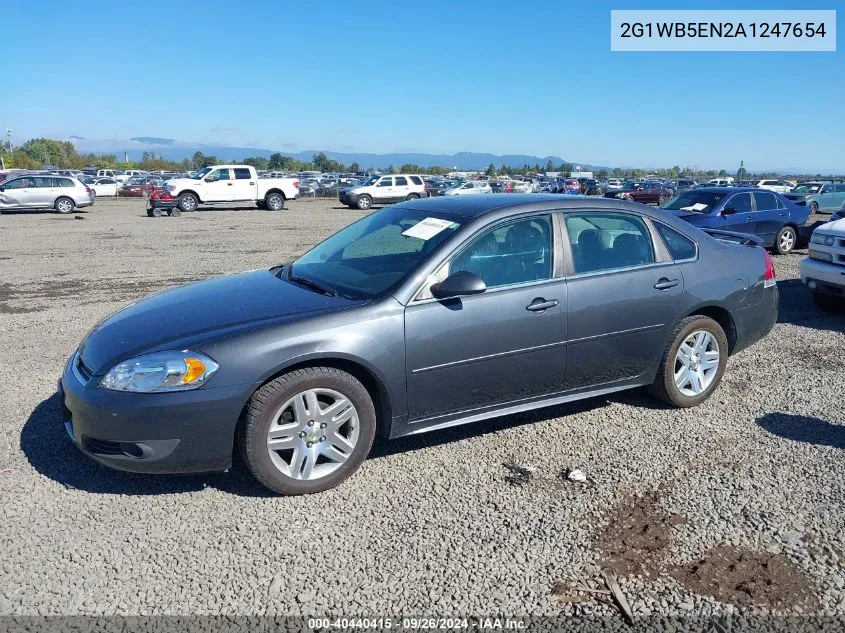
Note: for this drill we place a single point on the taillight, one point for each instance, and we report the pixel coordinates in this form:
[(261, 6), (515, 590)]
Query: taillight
[(87, 189), (770, 278), (296, 184)]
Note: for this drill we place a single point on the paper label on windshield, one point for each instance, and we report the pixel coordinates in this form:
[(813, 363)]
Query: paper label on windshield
[(428, 228), (698, 206)]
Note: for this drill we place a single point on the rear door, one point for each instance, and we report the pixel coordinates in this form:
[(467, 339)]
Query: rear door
[(623, 298), (401, 188), (768, 219), (244, 185), (838, 197)]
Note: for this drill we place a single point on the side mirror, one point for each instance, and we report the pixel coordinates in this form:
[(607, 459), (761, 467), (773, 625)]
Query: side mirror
[(728, 211), (459, 284)]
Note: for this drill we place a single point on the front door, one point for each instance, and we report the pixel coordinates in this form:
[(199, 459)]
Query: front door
[(621, 301), (504, 345), (19, 193), (218, 186), (738, 214), (384, 190)]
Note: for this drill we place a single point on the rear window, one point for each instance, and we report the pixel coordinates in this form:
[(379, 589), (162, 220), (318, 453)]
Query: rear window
[(400, 181), (679, 246), (416, 180), (242, 174)]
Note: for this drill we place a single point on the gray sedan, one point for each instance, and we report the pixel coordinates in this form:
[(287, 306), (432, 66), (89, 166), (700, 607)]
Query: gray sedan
[(428, 314), (39, 192)]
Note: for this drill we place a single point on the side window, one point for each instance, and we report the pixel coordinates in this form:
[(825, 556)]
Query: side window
[(765, 201), (17, 183), (839, 188), (680, 247), (44, 182), (779, 202), (241, 173), (416, 180), (740, 202), (385, 182), (219, 174), (66, 182), (401, 181), (605, 241), (513, 253)]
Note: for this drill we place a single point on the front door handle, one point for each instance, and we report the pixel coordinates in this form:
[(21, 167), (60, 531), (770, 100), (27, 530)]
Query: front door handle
[(665, 284), (229, 184), (541, 305)]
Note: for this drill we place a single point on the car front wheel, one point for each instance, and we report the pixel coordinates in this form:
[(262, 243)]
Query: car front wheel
[(364, 202), (693, 363), (308, 430), (188, 202), (786, 240), (814, 207)]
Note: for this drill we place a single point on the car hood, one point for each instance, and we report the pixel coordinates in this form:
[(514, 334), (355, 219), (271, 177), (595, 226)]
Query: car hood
[(797, 196), (696, 219), (181, 183), (199, 312)]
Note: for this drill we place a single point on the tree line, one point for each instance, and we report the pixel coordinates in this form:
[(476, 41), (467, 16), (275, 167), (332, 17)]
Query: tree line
[(38, 152)]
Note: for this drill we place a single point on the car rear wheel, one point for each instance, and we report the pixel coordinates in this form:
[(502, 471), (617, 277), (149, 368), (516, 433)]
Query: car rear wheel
[(364, 202), (828, 303), (274, 201), (662, 200), (307, 430), (693, 363), (65, 205), (814, 207), (188, 202), (786, 240), (412, 196)]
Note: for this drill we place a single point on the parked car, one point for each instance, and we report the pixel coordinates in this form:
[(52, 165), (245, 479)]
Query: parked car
[(470, 187), (29, 193), (116, 174), (386, 327), (614, 184), (438, 187), (684, 184), (139, 186), (383, 190), (590, 187), (720, 182), (778, 186), (646, 192), (224, 184), (823, 270), (779, 223), (104, 186), (819, 196)]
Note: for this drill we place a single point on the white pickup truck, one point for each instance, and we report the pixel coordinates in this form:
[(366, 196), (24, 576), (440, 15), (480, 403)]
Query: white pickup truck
[(824, 269), (222, 185)]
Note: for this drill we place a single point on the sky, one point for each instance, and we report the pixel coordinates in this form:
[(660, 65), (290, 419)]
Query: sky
[(534, 78)]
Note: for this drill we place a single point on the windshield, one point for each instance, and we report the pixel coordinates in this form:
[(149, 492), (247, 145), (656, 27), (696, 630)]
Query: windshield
[(373, 255), (807, 188), (370, 181), (695, 201), (202, 173)]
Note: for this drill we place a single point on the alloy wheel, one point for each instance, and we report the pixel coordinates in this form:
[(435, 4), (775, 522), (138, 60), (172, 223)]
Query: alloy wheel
[(313, 434), (696, 363), (787, 241)]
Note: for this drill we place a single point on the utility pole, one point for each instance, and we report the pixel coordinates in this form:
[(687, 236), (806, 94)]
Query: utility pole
[(9, 141)]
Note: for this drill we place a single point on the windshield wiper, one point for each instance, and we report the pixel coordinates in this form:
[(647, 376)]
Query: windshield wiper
[(308, 283)]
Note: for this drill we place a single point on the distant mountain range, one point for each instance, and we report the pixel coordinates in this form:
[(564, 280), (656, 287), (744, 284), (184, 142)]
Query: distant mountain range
[(460, 161)]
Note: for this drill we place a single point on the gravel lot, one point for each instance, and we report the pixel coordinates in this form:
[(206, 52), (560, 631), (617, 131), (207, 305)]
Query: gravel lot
[(474, 520)]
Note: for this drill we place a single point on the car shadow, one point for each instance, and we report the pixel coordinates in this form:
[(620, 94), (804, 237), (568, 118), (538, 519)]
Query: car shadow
[(48, 449), (796, 306), (802, 428)]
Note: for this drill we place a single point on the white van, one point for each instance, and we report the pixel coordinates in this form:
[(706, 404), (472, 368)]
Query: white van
[(720, 182)]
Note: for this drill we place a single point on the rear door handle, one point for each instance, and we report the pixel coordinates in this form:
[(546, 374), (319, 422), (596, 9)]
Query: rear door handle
[(541, 305), (252, 183), (665, 284)]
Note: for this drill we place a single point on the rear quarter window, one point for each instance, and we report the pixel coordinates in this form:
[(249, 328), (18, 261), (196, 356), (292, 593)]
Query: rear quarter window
[(679, 246), (65, 182), (416, 180)]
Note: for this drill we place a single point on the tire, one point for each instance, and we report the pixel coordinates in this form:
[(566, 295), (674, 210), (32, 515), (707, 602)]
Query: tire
[(64, 206), (413, 196), (662, 200), (814, 207), (175, 212), (273, 402), (364, 202), (188, 202), (157, 212), (664, 386), (274, 201), (786, 240), (828, 303)]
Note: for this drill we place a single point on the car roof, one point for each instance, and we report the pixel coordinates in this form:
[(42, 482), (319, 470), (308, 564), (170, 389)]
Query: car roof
[(726, 189), (479, 205)]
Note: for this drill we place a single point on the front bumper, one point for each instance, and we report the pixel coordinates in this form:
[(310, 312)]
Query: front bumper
[(180, 432), (827, 278)]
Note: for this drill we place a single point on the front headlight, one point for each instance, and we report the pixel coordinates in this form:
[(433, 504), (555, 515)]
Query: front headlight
[(161, 371), (821, 238)]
